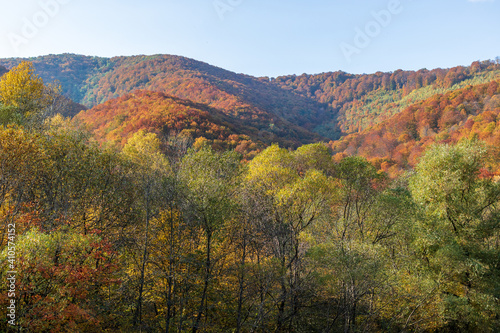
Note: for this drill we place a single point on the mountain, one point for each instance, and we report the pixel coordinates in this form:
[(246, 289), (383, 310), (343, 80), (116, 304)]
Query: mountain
[(397, 143), (360, 101), (3, 70), (118, 119), (291, 110), (92, 81)]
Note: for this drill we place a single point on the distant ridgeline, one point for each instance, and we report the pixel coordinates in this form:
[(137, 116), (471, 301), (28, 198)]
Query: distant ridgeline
[(360, 101), (290, 110)]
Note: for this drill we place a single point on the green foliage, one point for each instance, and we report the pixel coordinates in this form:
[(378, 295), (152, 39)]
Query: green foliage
[(209, 178), (457, 234), (447, 183)]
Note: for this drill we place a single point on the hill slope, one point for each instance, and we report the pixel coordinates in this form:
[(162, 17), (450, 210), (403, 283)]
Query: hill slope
[(116, 120), (91, 81), (360, 101), (397, 143)]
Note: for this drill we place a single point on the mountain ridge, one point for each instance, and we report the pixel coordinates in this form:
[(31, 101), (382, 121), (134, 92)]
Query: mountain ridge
[(290, 110)]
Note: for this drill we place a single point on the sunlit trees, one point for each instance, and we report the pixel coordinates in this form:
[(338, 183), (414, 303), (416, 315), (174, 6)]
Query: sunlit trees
[(63, 282), (209, 179), (289, 197), (20, 157), (24, 98), (152, 171), (459, 235), (21, 88)]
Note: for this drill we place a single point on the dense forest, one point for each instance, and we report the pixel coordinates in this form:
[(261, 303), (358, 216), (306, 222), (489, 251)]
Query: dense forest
[(156, 212), (360, 101), (330, 104), (117, 119), (396, 144)]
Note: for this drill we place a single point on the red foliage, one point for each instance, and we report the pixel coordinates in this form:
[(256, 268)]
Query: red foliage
[(62, 290)]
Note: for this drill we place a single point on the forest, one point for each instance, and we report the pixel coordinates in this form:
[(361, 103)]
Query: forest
[(162, 228)]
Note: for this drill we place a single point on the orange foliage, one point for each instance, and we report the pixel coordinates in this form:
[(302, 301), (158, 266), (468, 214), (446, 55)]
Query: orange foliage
[(118, 119), (401, 140)]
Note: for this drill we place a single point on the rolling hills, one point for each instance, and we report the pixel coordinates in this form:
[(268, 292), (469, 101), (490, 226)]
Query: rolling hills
[(331, 104), (92, 81), (387, 117)]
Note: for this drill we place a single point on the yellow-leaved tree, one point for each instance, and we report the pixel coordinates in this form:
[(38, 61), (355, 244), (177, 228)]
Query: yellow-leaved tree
[(23, 95)]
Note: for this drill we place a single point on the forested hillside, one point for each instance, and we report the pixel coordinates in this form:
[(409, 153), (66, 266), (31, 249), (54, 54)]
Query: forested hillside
[(331, 104), (155, 213), (397, 143), (119, 119), (360, 101), (91, 81)]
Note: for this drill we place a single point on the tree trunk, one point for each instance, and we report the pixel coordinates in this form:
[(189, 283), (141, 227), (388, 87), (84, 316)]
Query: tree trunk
[(242, 284), (281, 306), (208, 265), (138, 311)]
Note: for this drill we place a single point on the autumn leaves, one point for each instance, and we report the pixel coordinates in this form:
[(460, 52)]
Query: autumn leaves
[(170, 235)]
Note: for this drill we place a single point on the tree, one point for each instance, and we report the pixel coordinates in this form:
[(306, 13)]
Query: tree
[(350, 245), (63, 281), (210, 179), (292, 195), (459, 233), (21, 160), (23, 94), (143, 150)]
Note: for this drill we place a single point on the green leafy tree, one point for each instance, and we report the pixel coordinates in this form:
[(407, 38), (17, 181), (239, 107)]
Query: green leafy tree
[(292, 196), (210, 179), (459, 234)]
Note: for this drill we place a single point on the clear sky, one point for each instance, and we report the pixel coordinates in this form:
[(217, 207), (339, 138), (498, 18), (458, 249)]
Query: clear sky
[(261, 37)]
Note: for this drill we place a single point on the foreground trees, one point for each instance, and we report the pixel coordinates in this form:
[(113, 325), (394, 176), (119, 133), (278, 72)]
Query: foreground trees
[(64, 281), (290, 242), (458, 236)]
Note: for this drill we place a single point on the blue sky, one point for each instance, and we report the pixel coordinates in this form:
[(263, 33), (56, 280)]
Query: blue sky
[(261, 37)]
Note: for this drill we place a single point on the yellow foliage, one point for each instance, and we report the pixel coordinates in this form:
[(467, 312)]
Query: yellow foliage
[(21, 87)]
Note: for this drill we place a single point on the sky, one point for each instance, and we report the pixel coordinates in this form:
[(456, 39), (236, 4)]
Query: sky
[(261, 37)]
